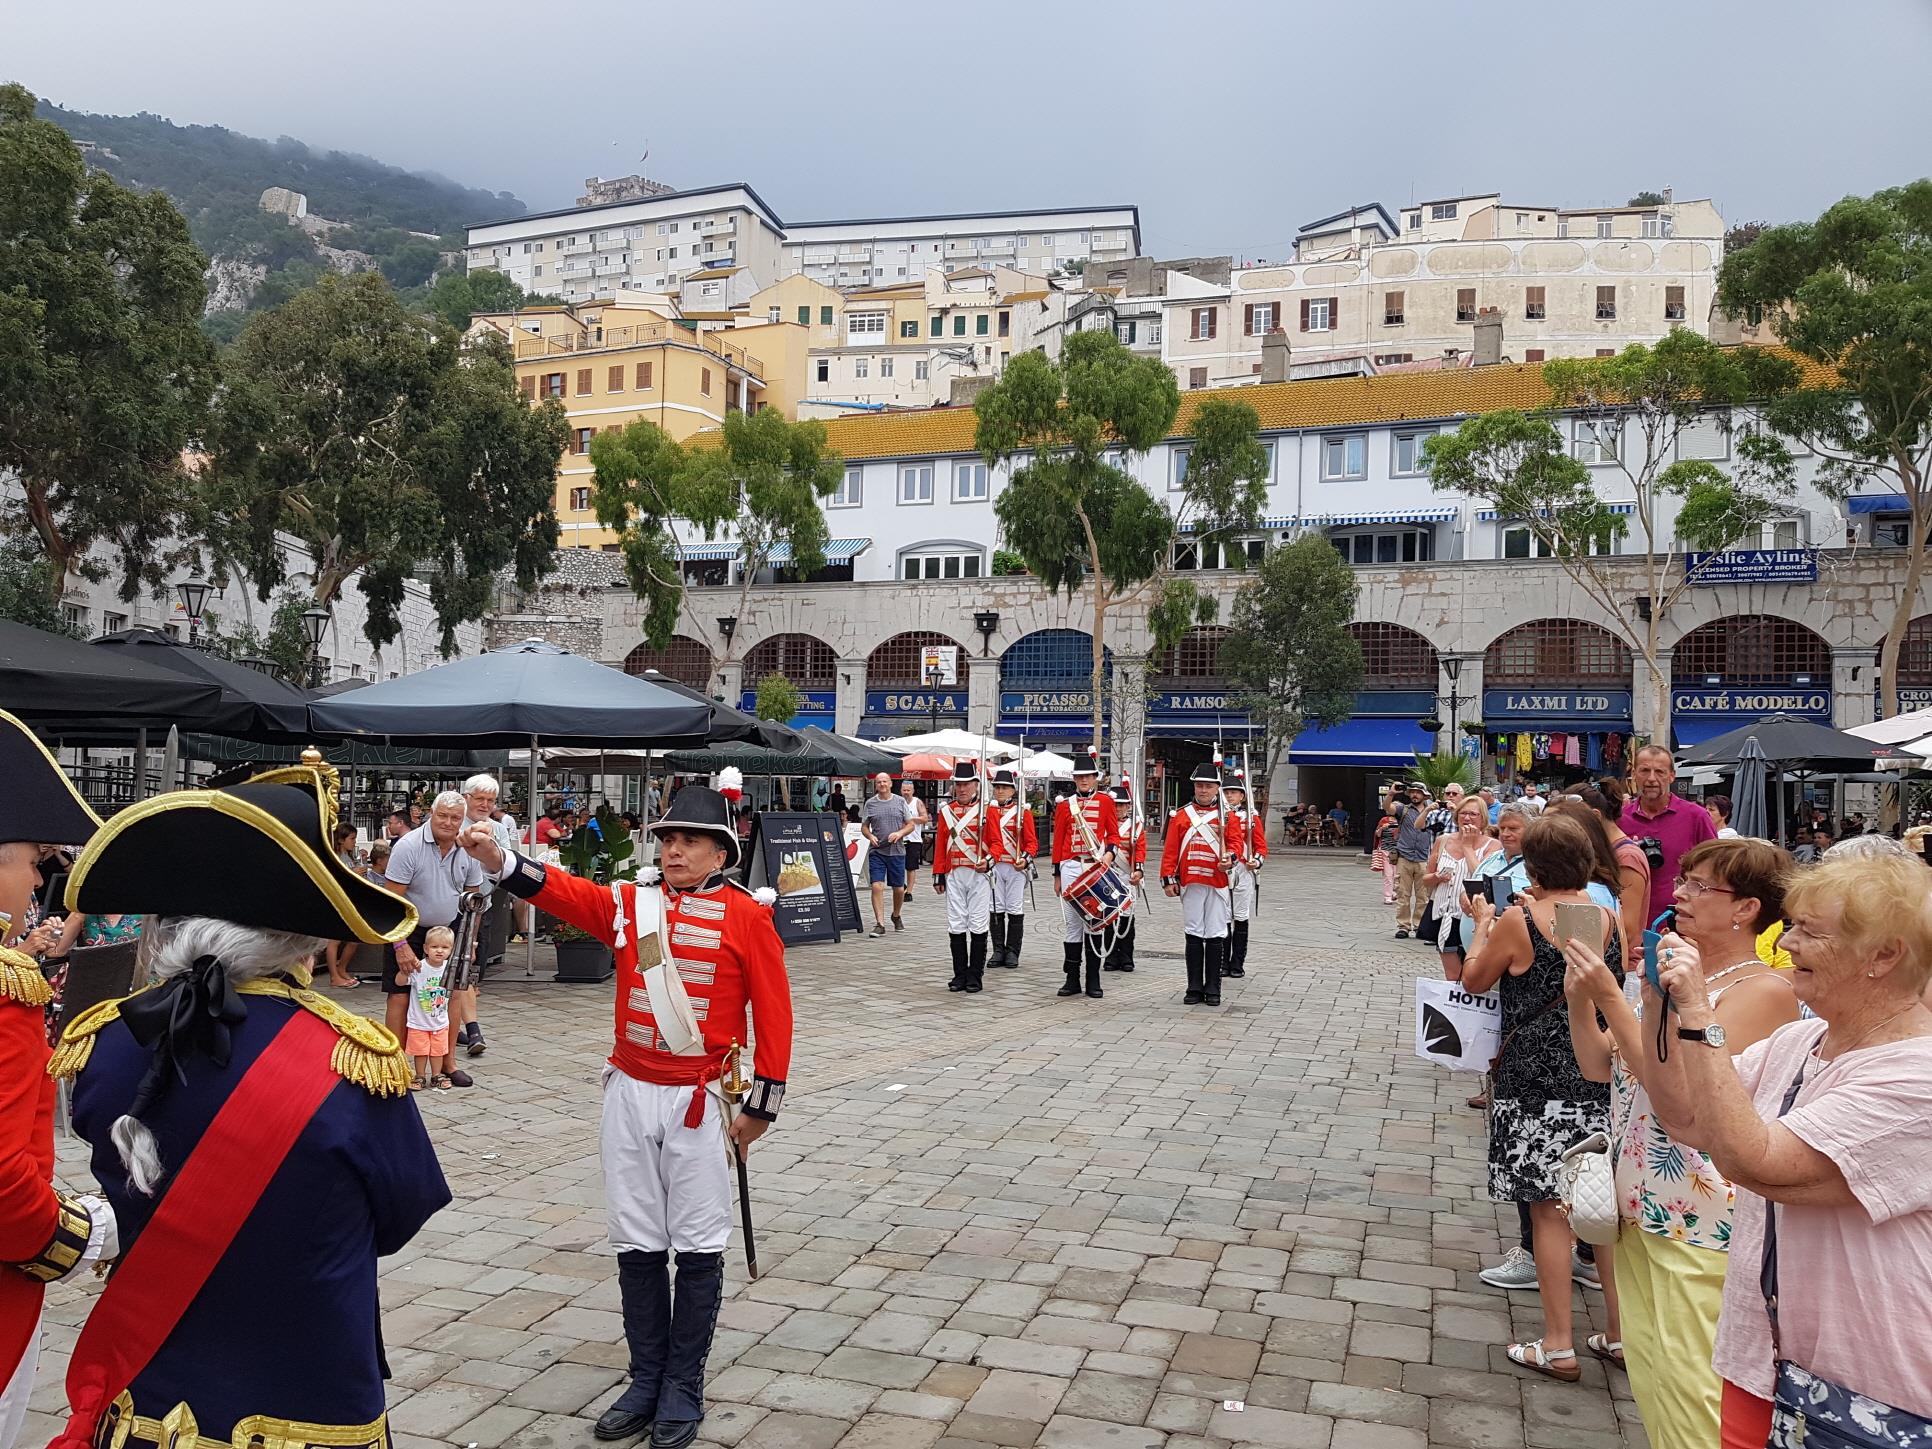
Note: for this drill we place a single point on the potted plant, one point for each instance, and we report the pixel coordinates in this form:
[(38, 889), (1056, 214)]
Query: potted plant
[(600, 851)]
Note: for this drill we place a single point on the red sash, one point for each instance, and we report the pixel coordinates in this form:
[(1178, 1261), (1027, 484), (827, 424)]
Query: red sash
[(209, 1200)]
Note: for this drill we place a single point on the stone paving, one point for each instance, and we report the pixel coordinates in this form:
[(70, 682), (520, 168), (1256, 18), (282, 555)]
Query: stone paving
[(1010, 1219)]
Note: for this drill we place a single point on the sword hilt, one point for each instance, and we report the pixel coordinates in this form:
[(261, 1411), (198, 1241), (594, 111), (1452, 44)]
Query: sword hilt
[(734, 1083)]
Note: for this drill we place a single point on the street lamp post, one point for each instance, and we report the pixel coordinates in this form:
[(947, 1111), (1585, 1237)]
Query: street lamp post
[(315, 623), (935, 676), (193, 593), (987, 621), (1452, 667)]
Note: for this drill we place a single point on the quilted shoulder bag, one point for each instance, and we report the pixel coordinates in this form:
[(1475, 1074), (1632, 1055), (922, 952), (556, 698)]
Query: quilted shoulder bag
[(1807, 1410), (1589, 1190)]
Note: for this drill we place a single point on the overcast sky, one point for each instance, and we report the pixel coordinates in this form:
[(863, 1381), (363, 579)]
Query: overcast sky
[(1229, 124)]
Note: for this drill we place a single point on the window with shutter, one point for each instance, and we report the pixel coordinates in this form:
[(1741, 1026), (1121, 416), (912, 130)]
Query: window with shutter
[(1533, 354), (528, 385), (704, 381), (1533, 307), (1392, 313), (1606, 304), (1247, 320), (1197, 377), (615, 382), (1465, 304), (1304, 314), (982, 325), (825, 316), (643, 377), (583, 382)]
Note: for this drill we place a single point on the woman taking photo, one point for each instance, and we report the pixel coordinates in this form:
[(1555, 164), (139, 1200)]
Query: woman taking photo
[(1675, 1204), (1606, 798), (1541, 1104), (1454, 863), (1829, 1123)]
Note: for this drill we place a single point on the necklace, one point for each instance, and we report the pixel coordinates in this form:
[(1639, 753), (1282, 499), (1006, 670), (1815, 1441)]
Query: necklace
[(1862, 1037), (1739, 966)]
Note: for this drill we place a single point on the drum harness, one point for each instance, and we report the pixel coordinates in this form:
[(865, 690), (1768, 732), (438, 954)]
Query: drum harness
[(1109, 933)]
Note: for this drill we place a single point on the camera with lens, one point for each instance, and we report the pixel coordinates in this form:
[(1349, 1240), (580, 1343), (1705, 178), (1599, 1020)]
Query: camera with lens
[(1653, 850)]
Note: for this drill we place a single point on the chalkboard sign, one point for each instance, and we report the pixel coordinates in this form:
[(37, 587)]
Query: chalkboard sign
[(838, 875), (798, 855)]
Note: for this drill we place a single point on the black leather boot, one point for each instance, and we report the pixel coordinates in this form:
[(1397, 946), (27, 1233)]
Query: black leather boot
[(976, 963), (1071, 987), (1196, 970), (958, 942), (996, 925), (1217, 955), (644, 1285), (1091, 952), (1124, 947), (1237, 962), (694, 1317), (1015, 935)]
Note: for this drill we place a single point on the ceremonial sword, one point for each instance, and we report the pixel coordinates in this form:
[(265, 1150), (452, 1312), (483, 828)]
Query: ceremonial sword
[(734, 1085)]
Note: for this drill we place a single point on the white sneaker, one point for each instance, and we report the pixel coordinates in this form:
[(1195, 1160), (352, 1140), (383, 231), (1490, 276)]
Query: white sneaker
[(1584, 1274), (1517, 1270)]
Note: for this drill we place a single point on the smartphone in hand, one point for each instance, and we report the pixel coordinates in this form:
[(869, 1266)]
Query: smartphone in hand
[(1502, 891)]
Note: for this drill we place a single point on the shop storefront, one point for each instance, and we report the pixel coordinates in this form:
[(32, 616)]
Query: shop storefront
[(1743, 667), (808, 663), (914, 683), (1046, 688), (1556, 734)]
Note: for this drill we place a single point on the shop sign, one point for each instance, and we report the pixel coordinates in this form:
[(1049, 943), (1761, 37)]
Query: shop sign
[(1752, 566), (1046, 704), (1910, 696), (1501, 705), (811, 702), (914, 702), (1812, 704)]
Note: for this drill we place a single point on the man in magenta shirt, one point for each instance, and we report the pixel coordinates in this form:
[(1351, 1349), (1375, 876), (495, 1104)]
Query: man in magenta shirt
[(1675, 824)]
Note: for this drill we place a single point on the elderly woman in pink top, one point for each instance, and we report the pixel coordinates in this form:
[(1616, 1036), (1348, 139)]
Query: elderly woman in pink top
[(1825, 1129)]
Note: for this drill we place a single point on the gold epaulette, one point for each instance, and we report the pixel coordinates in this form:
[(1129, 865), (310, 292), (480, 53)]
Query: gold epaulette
[(366, 1052), (21, 981), (77, 1039)]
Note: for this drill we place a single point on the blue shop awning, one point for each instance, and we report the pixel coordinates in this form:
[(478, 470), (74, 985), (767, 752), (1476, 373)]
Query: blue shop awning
[(837, 550), (1692, 730), (1878, 503), (1366, 742)]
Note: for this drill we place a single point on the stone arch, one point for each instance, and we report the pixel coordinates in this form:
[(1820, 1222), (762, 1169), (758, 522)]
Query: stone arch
[(684, 659), (1051, 656), (1394, 657), (1915, 654), (1557, 652), (808, 662), (1752, 650), (894, 664)]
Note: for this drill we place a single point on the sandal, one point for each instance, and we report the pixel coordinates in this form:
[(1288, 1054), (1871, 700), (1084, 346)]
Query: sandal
[(1609, 1349), (443, 1084), (1480, 1101), (1537, 1359), (417, 1084)]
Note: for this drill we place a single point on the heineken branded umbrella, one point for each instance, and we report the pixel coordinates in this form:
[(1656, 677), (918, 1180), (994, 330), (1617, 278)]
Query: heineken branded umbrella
[(850, 756)]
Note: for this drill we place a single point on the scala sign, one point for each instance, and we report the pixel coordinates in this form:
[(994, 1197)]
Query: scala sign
[(896, 702), (1813, 704)]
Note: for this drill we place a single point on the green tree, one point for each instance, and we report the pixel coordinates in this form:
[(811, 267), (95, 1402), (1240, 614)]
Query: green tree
[(1646, 198), (104, 373), (284, 644), (1443, 768), (30, 588), (761, 480), (778, 698), (1853, 291), (1289, 653), (388, 450), (1078, 518), (1630, 412), (456, 297)]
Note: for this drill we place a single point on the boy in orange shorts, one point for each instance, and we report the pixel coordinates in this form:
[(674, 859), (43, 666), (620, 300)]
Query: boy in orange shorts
[(429, 1009)]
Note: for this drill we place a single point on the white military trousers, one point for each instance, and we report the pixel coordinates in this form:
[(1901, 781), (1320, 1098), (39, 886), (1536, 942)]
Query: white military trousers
[(666, 1186)]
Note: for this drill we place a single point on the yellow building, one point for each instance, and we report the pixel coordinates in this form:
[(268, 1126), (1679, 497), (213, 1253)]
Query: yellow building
[(613, 361)]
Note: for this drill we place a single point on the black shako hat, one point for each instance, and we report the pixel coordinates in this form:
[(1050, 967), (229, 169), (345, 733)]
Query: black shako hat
[(1206, 772), (702, 811), (1003, 775), (37, 800), (256, 853), (1235, 780), (965, 772)]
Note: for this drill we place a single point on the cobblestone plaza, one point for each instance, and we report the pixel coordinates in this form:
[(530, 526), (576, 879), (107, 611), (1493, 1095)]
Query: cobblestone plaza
[(1009, 1219)]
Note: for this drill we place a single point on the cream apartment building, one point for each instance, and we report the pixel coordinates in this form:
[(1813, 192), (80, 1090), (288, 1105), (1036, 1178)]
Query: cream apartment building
[(1366, 291)]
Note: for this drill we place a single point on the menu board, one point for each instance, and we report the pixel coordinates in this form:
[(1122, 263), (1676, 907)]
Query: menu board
[(798, 856)]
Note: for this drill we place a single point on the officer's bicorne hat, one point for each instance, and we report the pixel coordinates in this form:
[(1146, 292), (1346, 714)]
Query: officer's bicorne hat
[(37, 800), (1207, 772), (701, 810), (255, 852)]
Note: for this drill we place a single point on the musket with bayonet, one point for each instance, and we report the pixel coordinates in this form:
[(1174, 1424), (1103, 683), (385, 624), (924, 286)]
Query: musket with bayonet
[(734, 1084)]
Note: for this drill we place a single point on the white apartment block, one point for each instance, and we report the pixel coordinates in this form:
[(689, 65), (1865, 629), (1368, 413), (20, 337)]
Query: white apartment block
[(649, 245), (1365, 293), (885, 250)]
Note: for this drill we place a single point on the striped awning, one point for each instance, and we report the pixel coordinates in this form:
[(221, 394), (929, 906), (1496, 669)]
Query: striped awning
[(709, 552), (1337, 520), (837, 550), (1490, 515)]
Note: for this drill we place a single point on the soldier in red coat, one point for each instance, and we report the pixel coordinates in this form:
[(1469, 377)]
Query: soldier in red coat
[(43, 1236), (1133, 850), (693, 952), (1248, 844), (1194, 866), (962, 866), (1009, 826), (1086, 829)]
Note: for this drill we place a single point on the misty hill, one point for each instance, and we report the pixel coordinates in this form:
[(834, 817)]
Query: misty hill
[(400, 221)]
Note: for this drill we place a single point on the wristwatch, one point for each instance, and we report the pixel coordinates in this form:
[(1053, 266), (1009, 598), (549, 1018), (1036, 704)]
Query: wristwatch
[(1712, 1035)]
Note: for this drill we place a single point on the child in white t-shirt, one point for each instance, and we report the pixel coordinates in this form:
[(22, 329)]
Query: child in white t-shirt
[(429, 1009)]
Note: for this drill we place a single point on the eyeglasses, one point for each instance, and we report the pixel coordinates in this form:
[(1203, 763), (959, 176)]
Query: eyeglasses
[(1695, 888)]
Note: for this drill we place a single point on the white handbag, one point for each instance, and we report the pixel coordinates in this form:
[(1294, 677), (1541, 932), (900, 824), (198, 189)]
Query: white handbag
[(1589, 1189)]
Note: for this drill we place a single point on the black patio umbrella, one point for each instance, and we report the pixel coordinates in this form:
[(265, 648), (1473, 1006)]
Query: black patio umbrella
[(254, 706), (751, 759), (850, 756), (1794, 744), (728, 724), (63, 686)]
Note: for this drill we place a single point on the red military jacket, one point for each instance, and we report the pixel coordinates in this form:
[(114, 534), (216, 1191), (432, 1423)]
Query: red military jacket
[(1133, 840), (961, 842), (1102, 821), (1192, 851), (29, 1206), (1248, 836), (1015, 840), (726, 950)]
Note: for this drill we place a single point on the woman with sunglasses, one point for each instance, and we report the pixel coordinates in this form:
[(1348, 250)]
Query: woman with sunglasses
[(1674, 1203)]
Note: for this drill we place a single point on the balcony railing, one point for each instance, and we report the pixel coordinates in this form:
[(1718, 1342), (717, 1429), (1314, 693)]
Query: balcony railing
[(571, 249), (639, 335)]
